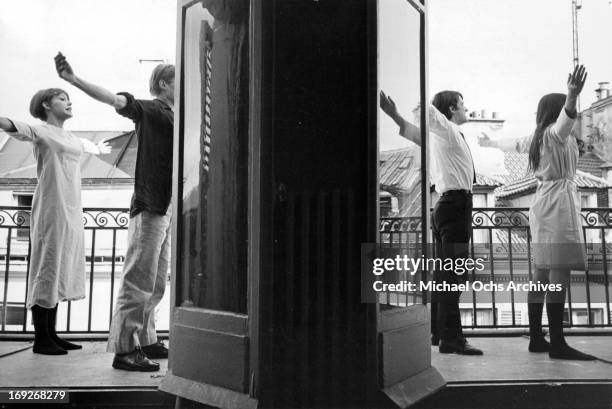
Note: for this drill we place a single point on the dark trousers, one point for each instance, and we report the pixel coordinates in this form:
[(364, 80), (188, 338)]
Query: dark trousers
[(452, 230)]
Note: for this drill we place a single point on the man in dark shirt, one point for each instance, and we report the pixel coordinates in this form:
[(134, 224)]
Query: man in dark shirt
[(132, 334)]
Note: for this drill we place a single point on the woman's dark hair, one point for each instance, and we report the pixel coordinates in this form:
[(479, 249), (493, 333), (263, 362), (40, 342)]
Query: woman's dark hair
[(549, 108), (44, 95), (445, 100)]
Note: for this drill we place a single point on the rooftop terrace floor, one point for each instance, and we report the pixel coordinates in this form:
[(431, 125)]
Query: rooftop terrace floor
[(506, 376), (506, 359)]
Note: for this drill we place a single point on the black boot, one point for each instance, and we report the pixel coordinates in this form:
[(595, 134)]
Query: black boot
[(43, 344), (558, 347), (537, 342), (60, 342)]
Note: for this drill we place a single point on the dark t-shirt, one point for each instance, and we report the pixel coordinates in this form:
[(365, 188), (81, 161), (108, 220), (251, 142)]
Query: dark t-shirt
[(154, 121)]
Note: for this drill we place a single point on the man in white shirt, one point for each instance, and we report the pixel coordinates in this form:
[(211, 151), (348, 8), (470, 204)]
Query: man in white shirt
[(454, 176)]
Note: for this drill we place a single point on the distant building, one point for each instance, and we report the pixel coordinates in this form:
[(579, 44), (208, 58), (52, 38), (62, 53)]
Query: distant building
[(400, 184), (485, 127), (519, 186), (595, 128), (107, 180), (595, 122)]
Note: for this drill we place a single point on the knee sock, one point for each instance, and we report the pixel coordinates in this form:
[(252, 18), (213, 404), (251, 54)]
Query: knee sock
[(554, 311), (535, 306), (43, 344), (558, 347), (60, 342)]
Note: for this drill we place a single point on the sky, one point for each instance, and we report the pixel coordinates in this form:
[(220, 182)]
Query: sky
[(505, 55), (502, 55), (103, 40)]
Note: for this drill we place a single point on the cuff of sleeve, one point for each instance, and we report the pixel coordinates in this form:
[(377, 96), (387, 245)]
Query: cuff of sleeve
[(20, 127), (130, 101)]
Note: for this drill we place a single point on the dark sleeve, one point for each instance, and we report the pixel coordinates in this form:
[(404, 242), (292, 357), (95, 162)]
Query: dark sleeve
[(133, 108)]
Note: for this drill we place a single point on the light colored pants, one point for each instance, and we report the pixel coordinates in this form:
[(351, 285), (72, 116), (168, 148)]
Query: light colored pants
[(143, 283)]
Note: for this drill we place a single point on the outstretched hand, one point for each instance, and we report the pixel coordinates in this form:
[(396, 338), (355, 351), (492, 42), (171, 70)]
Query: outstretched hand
[(64, 70), (576, 80), (103, 147), (388, 105)]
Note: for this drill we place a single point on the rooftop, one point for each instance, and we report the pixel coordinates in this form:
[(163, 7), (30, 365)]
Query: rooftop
[(529, 183), (17, 162)]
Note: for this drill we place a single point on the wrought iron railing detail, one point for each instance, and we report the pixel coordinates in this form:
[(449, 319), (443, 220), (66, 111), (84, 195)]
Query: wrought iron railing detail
[(14, 216), (501, 237), (502, 217), (96, 218), (400, 224), (105, 245)]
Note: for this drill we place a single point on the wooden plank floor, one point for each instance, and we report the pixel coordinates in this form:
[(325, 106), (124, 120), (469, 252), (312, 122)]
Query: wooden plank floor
[(86, 368), (506, 359)]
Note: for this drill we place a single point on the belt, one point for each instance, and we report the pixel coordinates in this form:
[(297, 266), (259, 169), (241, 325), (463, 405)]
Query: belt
[(458, 192)]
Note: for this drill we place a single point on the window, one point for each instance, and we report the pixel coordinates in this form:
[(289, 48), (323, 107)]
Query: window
[(506, 317), (214, 192), (400, 76), (479, 200), (14, 313), (24, 199), (484, 316), (580, 316), (584, 200), (385, 205)]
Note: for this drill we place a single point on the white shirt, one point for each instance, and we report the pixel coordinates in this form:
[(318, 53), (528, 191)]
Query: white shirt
[(452, 166)]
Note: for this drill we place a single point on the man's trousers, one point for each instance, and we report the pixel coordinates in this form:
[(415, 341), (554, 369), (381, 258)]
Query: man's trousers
[(452, 229), (143, 283)]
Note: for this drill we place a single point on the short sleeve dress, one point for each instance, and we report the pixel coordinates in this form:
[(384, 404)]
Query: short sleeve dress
[(554, 218), (57, 259)]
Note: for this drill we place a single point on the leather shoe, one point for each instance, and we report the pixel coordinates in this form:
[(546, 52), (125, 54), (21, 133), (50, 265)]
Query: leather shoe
[(458, 346), (156, 351), (135, 361)]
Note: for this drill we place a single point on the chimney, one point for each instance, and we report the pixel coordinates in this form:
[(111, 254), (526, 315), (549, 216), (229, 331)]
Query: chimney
[(603, 91)]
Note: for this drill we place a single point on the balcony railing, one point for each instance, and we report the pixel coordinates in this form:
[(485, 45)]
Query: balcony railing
[(501, 238), (105, 248)]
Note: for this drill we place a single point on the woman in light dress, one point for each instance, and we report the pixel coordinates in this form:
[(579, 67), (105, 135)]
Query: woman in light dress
[(554, 218), (57, 261)]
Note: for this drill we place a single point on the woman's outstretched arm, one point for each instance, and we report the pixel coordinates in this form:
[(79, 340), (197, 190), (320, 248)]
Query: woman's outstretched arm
[(561, 129), (18, 130), (7, 125)]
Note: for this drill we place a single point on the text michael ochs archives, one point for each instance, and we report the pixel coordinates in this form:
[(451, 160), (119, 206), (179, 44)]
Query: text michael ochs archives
[(401, 266)]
